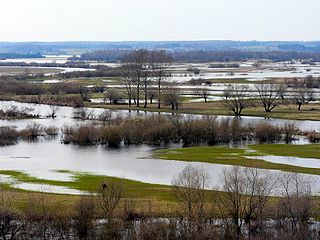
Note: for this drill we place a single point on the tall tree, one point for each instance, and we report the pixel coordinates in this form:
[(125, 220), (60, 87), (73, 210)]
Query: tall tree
[(302, 93), (236, 99), (161, 68), (270, 95)]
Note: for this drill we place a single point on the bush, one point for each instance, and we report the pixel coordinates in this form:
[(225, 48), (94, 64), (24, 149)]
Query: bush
[(33, 130), (8, 136), (266, 132), (111, 135), (52, 131), (313, 136)]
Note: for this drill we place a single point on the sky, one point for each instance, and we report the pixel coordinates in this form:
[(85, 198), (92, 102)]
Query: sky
[(131, 20)]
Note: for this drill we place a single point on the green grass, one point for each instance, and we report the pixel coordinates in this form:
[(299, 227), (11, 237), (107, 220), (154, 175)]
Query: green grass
[(303, 151), (89, 183), (238, 156)]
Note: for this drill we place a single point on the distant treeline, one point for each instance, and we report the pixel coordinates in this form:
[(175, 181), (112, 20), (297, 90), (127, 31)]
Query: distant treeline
[(68, 64), (58, 48), (20, 55), (207, 56)]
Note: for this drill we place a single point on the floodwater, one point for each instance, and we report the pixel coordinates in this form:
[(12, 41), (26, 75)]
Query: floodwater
[(65, 116), (46, 156)]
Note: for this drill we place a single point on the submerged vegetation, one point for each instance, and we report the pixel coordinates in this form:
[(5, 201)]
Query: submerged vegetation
[(188, 131)]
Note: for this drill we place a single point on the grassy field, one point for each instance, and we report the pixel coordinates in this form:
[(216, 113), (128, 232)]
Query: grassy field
[(239, 156), (290, 112), (30, 70), (148, 197), (303, 151)]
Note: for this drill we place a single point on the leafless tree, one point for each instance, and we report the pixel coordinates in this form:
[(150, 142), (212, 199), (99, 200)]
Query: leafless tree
[(302, 94), (161, 68), (270, 95), (109, 195), (137, 61), (204, 93), (171, 97), (189, 189), (53, 109), (245, 198), (127, 72), (84, 218), (296, 204), (152, 94), (11, 222), (236, 99)]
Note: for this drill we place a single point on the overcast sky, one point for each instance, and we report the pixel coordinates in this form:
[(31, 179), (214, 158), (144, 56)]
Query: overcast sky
[(123, 20)]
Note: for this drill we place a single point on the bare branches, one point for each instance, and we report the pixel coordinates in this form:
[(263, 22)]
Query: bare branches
[(109, 196), (236, 99), (302, 94), (246, 195), (139, 68), (270, 95)]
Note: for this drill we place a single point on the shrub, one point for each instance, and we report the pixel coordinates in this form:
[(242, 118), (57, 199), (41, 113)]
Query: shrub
[(33, 130), (266, 132), (52, 131), (8, 136)]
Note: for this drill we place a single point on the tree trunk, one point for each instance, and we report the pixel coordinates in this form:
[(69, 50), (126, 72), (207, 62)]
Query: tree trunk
[(159, 95), (299, 106)]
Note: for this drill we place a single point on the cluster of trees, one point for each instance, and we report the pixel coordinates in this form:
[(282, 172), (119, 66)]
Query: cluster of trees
[(139, 69), (244, 210), (270, 95), (100, 71), (11, 86), (11, 55), (188, 131)]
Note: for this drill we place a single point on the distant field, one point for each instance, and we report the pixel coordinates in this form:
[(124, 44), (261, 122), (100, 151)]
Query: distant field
[(21, 70)]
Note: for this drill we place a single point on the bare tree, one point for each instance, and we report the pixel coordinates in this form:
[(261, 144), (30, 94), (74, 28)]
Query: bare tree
[(189, 190), (127, 72), (109, 195), (152, 94), (270, 95), (171, 97), (245, 198), (302, 94), (236, 99), (204, 93), (11, 222), (84, 218), (139, 61), (53, 109), (296, 205), (161, 68), (134, 67)]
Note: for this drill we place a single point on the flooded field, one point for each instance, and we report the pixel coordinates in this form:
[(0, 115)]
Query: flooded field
[(46, 157)]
